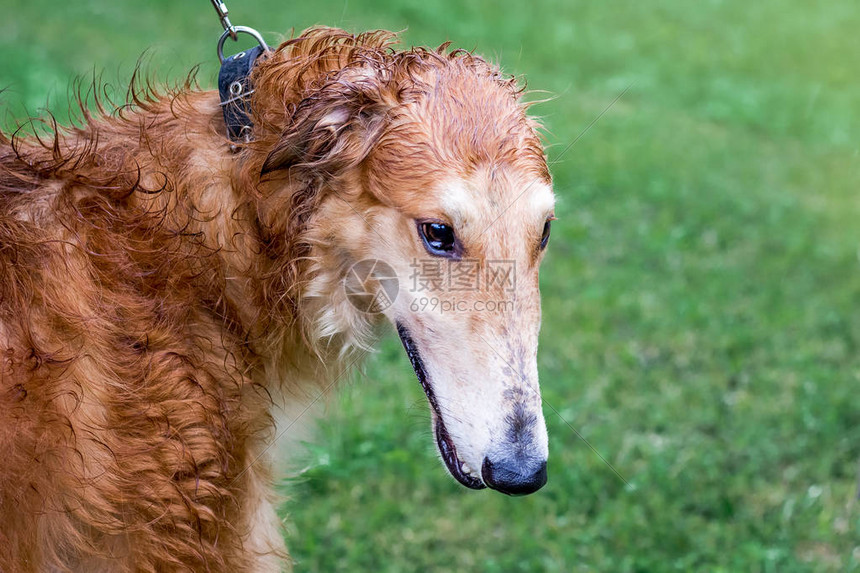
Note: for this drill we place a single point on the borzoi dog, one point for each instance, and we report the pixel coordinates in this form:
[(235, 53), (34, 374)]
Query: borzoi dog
[(161, 287)]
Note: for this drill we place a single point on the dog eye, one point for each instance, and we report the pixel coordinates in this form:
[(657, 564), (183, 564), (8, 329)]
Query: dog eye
[(439, 238), (544, 239)]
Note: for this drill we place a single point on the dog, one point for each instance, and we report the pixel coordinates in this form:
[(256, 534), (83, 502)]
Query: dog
[(163, 289)]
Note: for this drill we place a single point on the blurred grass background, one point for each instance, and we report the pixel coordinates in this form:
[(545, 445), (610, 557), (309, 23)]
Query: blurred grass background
[(701, 291)]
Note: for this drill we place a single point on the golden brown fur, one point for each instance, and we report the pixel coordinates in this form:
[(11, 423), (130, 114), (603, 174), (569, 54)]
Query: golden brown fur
[(154, 291)]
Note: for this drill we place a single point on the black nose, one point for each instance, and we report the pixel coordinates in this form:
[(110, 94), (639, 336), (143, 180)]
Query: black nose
[(514, 477)]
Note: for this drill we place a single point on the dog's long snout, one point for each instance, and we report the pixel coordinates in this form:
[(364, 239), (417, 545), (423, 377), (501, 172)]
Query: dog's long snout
[(514, 476)]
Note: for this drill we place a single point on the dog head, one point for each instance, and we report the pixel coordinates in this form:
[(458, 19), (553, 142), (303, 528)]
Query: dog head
[(417, 188)]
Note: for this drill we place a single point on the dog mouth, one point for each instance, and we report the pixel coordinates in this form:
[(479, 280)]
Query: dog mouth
[(456, 467)]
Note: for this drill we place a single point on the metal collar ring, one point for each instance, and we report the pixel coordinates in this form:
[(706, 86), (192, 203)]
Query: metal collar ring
[(239, 30)]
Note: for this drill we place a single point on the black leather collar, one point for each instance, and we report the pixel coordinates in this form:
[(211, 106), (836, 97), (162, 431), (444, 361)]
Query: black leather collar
[(235, 89)]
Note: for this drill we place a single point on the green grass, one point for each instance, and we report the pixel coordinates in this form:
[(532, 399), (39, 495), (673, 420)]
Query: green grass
[(701, 291)]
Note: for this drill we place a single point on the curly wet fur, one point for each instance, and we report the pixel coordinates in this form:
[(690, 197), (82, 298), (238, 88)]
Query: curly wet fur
[(158, 291)]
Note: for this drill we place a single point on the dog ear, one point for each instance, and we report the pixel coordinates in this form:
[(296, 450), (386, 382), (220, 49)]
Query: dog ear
[(332, 130)]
